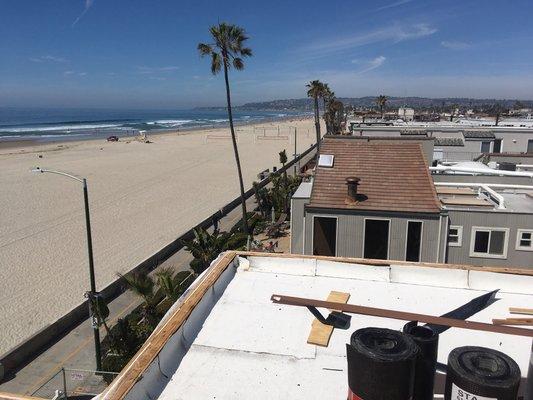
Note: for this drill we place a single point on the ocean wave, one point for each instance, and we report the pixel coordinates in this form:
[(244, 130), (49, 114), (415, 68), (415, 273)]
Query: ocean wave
[(52, 128), (43, 136), (172, 122)]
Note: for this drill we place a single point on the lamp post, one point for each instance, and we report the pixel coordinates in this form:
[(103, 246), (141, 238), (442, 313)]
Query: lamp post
[(93, 293)]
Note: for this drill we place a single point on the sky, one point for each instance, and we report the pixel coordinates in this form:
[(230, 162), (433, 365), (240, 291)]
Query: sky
[(143, 53)]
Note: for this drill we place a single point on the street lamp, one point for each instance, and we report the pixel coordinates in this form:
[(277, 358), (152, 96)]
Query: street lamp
[(93, 294)]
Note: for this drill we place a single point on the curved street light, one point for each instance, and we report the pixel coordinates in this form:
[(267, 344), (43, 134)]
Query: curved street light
[(93, 293)]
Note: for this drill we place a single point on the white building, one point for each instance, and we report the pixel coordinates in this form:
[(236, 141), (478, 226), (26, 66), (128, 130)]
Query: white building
[(407, 114)]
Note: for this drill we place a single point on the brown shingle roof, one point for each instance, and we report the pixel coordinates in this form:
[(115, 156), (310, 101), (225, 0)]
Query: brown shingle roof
[(394, 177)]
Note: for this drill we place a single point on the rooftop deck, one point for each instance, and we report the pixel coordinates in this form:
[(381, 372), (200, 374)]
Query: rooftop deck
[(226, 340)]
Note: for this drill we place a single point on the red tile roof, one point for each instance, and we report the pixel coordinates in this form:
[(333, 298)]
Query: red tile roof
[(394, 177)]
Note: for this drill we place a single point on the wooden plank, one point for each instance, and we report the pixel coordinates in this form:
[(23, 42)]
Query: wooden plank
[(518, 310), (513, 321), (133, 371), (321, 333), (466, 202), (455, 191)]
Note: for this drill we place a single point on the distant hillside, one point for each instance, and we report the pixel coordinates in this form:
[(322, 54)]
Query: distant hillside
[(306, 104)]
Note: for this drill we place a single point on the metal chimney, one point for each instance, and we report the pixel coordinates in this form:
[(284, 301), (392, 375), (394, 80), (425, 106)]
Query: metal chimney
[(352, 183)]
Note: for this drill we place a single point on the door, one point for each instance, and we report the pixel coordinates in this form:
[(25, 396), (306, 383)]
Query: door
[(376, 239), (414, 241), (497, 147), (324, 236)]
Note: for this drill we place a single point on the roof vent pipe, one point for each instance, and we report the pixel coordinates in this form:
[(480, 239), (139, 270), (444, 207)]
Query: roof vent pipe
[(352, 183)]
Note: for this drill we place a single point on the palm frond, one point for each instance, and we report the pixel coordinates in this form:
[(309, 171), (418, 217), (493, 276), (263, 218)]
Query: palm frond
[(204, 49), (238, 64), (216, 63)]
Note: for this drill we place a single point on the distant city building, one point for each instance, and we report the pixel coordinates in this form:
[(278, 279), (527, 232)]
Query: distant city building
[(407, 114)]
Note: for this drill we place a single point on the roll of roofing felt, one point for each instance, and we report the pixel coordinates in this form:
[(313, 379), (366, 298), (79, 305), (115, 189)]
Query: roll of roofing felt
[(428, 343), (478, 373), (381, 365)]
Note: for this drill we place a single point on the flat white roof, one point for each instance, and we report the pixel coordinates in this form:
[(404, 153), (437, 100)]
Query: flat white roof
[(247, 347), (303, 191)]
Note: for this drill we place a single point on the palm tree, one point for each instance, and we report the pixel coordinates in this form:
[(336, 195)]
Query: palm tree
[(143, 285), (381, 101), (314, 90), (327, 95), (227, 50)]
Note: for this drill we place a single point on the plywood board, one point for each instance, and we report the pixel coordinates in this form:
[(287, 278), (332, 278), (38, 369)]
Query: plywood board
[(454, 191), (321, 333)]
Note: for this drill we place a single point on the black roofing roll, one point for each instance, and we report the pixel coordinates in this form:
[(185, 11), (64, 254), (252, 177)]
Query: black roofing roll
[(482, 373), (428, 342), (381, 364)]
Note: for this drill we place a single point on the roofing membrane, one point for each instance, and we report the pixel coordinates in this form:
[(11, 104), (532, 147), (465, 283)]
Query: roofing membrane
[(237, 344)]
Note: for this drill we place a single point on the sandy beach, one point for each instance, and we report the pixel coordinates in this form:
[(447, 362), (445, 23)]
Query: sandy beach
[(142, 196)]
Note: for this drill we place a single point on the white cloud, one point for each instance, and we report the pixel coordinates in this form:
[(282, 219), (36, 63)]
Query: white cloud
[(48, 58), (373, 64), (153, 70), (455, 45), (392, 5), (395, 33), (72, 73), (88, 4)]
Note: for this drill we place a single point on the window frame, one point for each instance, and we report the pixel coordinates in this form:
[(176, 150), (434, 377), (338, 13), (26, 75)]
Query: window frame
[(481, 146), (490, 229), (407, 237), (313, 232), (388, 238), (459, 236), (518, 239)]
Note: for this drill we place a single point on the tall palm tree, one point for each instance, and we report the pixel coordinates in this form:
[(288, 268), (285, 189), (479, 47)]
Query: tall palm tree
[(228, 50), (327, 95), (381, 101), (314, 90)]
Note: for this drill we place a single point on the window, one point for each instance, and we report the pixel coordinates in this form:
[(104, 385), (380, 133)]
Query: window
[(414, 241), (376, 239), (485, 147), (324, 236), (489, 242), (524, 239), (530, 146), (455, 236)]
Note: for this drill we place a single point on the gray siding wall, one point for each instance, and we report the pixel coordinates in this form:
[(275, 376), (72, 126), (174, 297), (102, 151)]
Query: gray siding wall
[(297, 225), (513, 221), (350, 231)]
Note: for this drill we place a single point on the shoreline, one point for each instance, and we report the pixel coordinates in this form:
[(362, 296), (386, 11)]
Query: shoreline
[(41, 142)]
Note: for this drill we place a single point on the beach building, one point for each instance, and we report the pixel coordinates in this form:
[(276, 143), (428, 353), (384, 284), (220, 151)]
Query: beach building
[(405, 113), (230, 336), (461, 142), (376, 199), (373, 199)]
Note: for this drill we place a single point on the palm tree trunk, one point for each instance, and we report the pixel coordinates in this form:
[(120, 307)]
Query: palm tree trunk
[(317, 123), (236, 151)]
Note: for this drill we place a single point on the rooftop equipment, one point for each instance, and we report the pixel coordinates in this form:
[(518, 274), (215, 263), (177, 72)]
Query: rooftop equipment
[(481, 373)]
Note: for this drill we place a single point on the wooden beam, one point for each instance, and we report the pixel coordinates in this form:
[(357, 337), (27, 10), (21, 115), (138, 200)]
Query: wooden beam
[(518, 310), (401, 315), (513, 321), (321, 333), (133, 371)]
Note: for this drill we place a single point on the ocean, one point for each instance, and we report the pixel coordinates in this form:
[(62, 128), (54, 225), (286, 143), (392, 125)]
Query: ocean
[(78, 124)]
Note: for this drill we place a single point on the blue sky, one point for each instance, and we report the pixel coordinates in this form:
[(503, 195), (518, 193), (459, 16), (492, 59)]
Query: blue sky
[(142, 53)]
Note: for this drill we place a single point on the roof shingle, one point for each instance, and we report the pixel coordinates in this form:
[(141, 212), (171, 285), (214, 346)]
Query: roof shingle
[(394, 177)]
